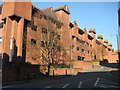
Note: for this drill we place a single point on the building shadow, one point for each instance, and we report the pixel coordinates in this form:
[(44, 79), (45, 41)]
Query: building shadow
[(17, 70), (111, 65), (106, 78)]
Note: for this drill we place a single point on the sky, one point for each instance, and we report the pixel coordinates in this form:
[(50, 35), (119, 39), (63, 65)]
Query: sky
[(102, 16), (99, 15)]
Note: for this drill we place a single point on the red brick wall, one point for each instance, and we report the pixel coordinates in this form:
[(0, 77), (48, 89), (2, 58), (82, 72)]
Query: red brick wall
[(81, 64), (64, 71), (11, 74)]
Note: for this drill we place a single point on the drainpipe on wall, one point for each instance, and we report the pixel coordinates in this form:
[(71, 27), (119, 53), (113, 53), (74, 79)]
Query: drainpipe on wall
[(11, 49)]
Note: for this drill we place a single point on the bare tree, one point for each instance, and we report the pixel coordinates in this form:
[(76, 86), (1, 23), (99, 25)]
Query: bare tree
[(46, 46)]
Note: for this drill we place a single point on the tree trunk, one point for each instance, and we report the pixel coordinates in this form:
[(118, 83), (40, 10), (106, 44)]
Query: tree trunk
[(48, 69)]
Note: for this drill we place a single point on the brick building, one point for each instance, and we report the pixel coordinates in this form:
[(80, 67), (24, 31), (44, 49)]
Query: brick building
[(21, 19)]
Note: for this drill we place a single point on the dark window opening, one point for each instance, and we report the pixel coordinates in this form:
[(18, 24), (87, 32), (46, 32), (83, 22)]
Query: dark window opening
[(91, 52), (0, 39), (73, 37), (33, 41), (1, 25), (43, 43), (59, 37), (109, 49), (44, 30), (90, 45), (94, 56), (77, 48), (34, 28), (88, 52), (82, 50), (80, 41), (58, 48), (80, 58)]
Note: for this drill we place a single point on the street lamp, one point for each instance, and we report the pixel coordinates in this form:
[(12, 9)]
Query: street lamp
[(70, 51), (118, 47)]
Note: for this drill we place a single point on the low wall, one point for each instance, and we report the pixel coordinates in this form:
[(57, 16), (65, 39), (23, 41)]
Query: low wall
[(11, 73), (82, 64), (96, 63), (64, 71)]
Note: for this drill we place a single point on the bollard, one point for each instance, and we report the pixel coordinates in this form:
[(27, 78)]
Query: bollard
[(53, 73), (66, 72)]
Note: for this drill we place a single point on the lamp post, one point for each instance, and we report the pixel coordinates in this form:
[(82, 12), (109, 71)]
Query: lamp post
[(11, 49), (118, 47), (70, 51)]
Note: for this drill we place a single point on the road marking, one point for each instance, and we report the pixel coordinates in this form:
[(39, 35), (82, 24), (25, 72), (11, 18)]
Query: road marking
[(105, 85), (6, 86), (48, 87), (105, 79), (96, 82), (80, 83), (108, 82), (65, 86), (112, 75)]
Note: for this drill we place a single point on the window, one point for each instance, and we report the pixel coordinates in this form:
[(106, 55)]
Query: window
[(43, 43), (88, 52), (0, 39), (94, 56), (1, 25), (58, 48), (33, 41), (109, 49), (90, 45), (72, 46), (34, 28), (80, 58), (77, 48), (44, 30), (59, 37), (82, 50), (91, 52)]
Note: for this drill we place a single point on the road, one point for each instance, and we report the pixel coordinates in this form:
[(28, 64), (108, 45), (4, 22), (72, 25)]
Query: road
[(0, 72), (92, 79)]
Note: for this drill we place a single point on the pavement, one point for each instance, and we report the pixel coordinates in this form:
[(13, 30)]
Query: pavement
[(98, 77), (37, 79), (115, 72)]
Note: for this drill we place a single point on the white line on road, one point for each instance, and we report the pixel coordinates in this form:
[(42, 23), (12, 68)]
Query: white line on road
[(6, 86), (105, 85), (96, 82), (108, 82), (48, 87), (65, 86), (80, 83)]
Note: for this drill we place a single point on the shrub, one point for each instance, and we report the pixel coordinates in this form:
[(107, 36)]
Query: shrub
[(95, 60), (61, 65), (74, 60)]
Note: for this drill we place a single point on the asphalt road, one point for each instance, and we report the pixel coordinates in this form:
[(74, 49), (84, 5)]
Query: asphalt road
[(82, 80), (0, 80), (0, 72)]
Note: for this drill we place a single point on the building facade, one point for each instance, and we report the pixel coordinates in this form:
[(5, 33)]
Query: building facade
[(23, 23)]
